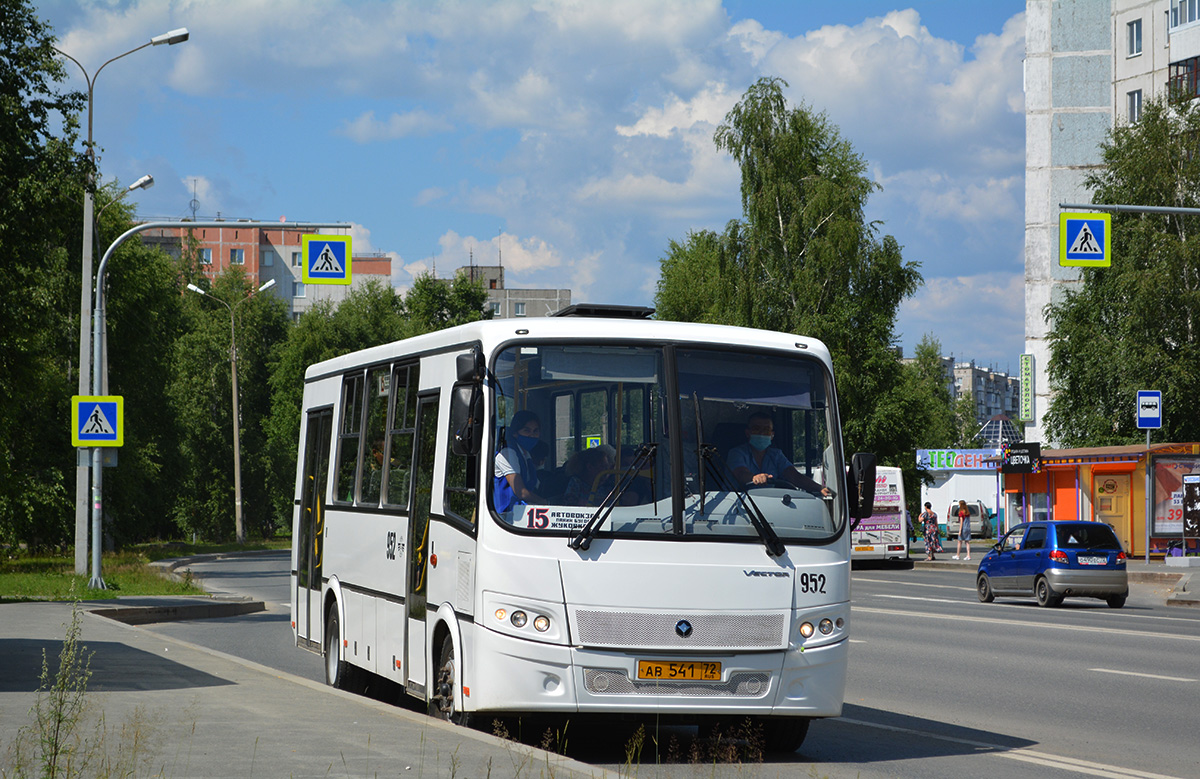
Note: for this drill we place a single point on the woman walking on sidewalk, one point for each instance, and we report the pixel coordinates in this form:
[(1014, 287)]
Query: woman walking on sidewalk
[(929, 526), (964, 528)]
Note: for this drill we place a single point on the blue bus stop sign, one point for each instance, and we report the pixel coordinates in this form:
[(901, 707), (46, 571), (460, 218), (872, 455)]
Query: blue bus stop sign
[(1149, 409)]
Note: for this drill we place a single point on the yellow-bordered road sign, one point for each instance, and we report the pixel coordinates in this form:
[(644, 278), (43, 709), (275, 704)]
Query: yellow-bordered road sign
[(1085, 240), (97, 420), (326, 259)]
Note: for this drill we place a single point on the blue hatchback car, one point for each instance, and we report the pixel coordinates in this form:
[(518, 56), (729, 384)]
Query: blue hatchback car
[(1056, 560)]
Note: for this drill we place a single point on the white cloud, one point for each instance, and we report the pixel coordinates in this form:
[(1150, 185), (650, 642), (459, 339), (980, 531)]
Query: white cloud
[(518, 255), (366, 128)]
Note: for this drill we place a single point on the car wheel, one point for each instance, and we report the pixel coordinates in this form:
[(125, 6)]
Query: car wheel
[(983, 588), (1045, 595), (1116, 601), (441, 703)]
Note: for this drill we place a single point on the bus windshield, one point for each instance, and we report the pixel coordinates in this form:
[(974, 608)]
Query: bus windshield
[(665, 441)]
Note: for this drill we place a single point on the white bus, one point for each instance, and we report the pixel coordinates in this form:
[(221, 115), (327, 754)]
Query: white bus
[(638, 578), (884, 534)]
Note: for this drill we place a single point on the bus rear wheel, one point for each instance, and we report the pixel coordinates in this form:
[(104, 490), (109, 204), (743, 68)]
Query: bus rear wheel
[(441, 702), (784, 734)]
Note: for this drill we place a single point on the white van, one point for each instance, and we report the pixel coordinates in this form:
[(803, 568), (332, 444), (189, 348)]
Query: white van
[(981, 520)]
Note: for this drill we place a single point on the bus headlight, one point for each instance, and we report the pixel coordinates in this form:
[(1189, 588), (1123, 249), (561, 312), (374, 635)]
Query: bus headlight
[(541, 624), (501, 614), (806, 630), (825, 626), (518, 618)]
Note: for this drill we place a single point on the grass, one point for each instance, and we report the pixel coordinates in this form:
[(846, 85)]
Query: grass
[(25, 577)]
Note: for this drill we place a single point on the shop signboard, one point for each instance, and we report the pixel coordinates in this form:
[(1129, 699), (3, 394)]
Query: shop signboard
[(1020, 457), (956, 459)]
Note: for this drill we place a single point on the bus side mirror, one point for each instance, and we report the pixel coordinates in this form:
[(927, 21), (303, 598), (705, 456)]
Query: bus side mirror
[(469, 366), (466, 418), (861, 481)]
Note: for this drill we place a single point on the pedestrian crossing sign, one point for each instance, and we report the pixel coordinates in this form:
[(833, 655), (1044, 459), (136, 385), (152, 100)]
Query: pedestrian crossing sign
[(1085, 240), (97, 420), (326, 259)]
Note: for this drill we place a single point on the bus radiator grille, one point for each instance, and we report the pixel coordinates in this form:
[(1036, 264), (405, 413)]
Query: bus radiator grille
[(609, 681), (659, 631)]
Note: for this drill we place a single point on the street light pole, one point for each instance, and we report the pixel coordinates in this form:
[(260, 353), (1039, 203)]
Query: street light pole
[(99, 355), (239, 525), (85, 292)]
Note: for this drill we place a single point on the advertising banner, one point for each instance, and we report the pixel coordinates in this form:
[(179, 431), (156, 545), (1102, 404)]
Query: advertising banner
[(1168, 493)]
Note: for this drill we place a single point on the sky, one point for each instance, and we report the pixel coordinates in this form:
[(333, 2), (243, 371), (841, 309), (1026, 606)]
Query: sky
[(570, 140)]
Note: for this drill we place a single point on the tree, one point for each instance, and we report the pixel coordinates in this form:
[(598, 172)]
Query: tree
[(41, 185), (804, 260), (690, 289), (1135, 325)]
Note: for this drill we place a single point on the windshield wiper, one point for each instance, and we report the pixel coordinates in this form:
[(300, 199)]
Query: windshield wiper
[(727, 481), (583, 539)]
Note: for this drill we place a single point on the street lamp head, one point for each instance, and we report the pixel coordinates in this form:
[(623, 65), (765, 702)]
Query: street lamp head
[(170, 38), (267, 285), (196, 289), (145, 182)]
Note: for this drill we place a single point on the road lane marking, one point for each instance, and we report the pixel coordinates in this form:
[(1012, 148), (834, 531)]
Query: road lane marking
[(1108, 631), (1144, 676), (1024, 755)]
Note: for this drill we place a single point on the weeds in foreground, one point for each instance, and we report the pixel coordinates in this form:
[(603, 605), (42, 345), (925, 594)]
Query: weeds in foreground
[(59, 742)]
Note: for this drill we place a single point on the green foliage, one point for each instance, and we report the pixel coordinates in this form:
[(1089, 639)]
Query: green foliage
[(201, 395), (1135, 325), (805, 261), (41, 185)]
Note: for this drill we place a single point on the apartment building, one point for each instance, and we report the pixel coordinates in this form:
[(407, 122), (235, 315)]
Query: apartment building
[(509, 303), (1088, 65)]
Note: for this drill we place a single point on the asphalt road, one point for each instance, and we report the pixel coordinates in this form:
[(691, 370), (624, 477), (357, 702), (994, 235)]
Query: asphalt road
[(940, 685)]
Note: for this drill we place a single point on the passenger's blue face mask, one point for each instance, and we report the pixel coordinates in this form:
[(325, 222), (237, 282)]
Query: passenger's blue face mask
[(760, 442), (526, 442)]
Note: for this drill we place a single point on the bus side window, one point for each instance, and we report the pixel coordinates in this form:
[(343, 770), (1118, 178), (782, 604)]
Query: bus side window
[(349, 435), (400, 437), (375, 453)]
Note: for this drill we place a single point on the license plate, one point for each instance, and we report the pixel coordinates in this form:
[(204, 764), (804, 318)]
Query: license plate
[(680, 671), (863, 548), (1092, 560)]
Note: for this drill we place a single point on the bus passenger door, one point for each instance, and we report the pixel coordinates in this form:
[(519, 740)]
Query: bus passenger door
[(418, 534), (310, 528)]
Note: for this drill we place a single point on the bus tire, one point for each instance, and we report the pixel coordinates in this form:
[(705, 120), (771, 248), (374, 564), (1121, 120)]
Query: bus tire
[(784, 734), (338, 673), (445, 684)]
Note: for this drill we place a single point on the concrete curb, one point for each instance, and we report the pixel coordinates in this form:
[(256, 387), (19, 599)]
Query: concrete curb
[(1180, 596), (145, 615)]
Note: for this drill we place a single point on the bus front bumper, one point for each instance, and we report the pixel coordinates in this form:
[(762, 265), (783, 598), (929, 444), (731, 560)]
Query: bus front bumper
[(509, 674)]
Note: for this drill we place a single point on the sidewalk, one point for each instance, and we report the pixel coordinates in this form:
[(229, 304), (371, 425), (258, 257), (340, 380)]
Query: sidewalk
[(1184, 587), (201, 713)]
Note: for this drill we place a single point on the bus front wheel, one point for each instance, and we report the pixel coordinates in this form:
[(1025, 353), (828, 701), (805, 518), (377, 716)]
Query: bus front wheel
[(784, 734), (441, 703), (338, 673)]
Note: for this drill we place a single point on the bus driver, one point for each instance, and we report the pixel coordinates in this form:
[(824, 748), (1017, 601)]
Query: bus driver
[(757, 462)]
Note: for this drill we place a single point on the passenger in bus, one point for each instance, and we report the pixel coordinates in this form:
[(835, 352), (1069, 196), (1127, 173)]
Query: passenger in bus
[(516, 479), (585, 466), (757, 461)]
